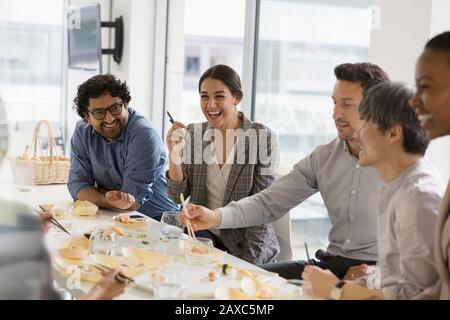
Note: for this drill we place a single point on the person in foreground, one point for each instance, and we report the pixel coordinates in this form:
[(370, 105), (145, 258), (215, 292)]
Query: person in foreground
[(25, 263), (234, 160), (25, 266), (432, 103), (393, 142), (117, 158), (350, 192)]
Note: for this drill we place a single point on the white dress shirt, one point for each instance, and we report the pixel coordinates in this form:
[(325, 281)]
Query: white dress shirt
[(216, 181)]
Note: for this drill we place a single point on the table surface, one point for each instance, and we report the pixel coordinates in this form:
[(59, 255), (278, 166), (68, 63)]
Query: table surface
[(195, 277)]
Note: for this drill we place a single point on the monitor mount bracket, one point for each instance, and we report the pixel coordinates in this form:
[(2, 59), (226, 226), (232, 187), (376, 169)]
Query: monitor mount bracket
[(118, 38)]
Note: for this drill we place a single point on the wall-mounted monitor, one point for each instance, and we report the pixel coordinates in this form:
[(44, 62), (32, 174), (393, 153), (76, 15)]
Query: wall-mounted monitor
[(84, 37)]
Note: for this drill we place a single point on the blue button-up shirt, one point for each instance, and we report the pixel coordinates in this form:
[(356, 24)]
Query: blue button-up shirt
[(134, 163)]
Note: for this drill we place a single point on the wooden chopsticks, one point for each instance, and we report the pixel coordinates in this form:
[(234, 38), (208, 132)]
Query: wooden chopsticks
[(119, 277), (188, 222), (54, 221)]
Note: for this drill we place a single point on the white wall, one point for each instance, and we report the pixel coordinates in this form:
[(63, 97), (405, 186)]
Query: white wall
[(122, 8), (439, 149), (440, 20), (137, 58), (405, 27), (175, 61), (76, 77), (141, 54)]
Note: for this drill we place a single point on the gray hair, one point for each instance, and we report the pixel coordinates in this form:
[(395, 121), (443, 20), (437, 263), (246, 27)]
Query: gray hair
[(387, 104)]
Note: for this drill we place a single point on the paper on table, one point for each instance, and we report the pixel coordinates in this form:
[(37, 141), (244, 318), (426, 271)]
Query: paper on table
[(75, 248), (258, 289), (128, 266), (151, 260), (251, 289), (69, 267)]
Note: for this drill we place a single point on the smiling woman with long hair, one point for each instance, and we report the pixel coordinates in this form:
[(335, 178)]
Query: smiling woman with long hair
[(226, 164), (432, 104)]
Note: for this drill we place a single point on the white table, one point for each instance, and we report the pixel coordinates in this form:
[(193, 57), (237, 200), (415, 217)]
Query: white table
[(195, 276)]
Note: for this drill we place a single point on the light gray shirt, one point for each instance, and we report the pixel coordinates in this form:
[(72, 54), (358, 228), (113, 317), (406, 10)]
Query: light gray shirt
[(408, 211), (350, 194)]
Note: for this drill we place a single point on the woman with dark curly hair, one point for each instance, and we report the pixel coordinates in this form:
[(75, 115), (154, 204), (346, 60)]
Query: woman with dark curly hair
[(117, 158)]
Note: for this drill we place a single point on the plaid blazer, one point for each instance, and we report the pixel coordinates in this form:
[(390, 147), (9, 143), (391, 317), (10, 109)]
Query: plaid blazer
[(258, 244)]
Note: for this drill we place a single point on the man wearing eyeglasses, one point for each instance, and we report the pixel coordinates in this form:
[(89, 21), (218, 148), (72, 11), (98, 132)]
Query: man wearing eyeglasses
[(117, 158)]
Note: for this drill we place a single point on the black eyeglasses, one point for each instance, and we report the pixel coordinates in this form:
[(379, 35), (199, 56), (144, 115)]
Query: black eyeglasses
[(114, 110)]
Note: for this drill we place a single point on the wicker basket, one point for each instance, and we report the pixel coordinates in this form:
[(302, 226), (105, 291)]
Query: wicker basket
[(45, 168)]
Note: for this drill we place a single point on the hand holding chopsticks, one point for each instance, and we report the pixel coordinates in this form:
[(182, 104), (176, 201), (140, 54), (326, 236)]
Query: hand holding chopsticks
[(106, 288), (51, 219), (121, 278), (188, 222)]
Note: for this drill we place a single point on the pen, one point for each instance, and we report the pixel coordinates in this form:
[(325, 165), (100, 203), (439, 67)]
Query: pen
[(170, 117)]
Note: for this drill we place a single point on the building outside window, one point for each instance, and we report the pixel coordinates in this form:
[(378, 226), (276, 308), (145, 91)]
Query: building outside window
[(300, 43), (31, 66), (210, 38)]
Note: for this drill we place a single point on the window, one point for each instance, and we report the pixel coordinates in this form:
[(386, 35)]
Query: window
[(300, 42), (213, 34), (31, 66)]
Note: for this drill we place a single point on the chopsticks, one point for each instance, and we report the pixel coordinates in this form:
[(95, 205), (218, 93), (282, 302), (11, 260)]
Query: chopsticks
[(54, 221), (306, 249), (188, 224), (119, 277), (170, 117)]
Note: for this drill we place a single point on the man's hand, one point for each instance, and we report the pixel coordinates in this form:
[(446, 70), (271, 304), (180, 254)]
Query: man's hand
[(322, 281), (358, 271), (107, 288), (119, 200), (201, 218)]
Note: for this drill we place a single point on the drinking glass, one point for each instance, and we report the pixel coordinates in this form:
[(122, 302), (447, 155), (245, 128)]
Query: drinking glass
[(171, 225), (198, 251), (169, 283), (103, 242)]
